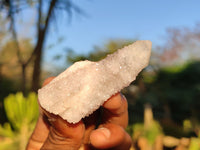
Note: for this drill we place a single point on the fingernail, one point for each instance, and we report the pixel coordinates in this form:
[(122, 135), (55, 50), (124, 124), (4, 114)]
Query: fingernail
[(122, 96), (105, 132), (51, 119)]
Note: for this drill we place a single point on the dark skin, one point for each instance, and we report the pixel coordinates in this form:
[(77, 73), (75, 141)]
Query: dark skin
[(54, 133)]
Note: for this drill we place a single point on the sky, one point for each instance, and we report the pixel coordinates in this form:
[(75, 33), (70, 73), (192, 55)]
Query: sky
[(121, 19)]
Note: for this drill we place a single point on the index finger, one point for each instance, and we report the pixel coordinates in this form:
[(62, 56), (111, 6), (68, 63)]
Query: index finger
[(115, 110)]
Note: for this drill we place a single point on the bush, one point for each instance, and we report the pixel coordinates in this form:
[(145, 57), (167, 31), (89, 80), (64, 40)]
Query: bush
[(150, 132), (22, 113)]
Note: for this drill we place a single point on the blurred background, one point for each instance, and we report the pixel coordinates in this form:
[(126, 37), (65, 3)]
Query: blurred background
[(41, 38)]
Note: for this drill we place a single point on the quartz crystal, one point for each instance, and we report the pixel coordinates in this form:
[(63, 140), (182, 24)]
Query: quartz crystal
[(85, 86)]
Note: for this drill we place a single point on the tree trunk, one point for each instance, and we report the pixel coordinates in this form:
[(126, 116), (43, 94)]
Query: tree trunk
[(37, 69), (23, 86), (0, 72), (39, 47), (37, 62)]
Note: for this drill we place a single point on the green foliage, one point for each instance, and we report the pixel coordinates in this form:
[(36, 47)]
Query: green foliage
[(6, 86), (6, 130), (172, 129), (25, 110), (22, 113), (194, 144), (98, 53), (150, 132), (173, 92), (181, 88)]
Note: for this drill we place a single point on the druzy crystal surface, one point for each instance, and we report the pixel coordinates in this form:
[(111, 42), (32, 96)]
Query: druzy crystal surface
[(86, 85)]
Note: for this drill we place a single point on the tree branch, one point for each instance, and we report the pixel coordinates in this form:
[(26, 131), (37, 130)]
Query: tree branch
[(38, 30), (14, 33), (41, 32)]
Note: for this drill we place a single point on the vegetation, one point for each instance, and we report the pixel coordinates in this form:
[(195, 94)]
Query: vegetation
[(99, 52), (170, 85), (22, 115), (46, 12)]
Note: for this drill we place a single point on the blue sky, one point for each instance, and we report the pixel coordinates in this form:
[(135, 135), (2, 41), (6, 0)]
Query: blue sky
[(124, 19)]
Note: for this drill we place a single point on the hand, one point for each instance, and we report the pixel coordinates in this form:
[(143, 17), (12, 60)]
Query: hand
[(54, 133)]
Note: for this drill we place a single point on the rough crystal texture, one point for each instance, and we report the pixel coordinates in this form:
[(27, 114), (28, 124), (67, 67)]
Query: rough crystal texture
[(86, 85)]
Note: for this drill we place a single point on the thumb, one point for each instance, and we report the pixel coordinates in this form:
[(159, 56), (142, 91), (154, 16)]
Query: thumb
[(63, 135)]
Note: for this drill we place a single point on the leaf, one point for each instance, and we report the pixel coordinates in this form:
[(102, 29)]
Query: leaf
[(20, 110), (6, 130)]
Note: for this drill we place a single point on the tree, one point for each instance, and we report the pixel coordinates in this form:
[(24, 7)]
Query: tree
[(12, 68), (182, 44), (46, 14), (98, 53), (2, 35)]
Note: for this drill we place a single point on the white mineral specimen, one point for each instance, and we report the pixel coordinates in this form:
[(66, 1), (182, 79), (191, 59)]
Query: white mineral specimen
[(86, 85)]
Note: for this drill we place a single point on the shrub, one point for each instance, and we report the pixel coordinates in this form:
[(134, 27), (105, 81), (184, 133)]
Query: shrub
[(22, 113), (150, 132)]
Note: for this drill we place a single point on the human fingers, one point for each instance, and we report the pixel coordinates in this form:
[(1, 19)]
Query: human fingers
[(115, 110), (63, 135), (39, 134), (90, 124), (111, 133), (41, 130), (110, 136)]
